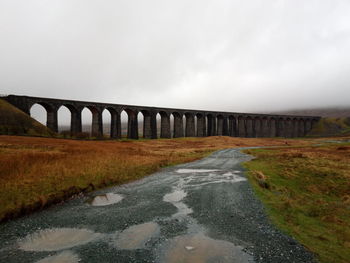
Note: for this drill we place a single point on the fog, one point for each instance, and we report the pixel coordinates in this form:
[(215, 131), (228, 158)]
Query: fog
[(232, 55)]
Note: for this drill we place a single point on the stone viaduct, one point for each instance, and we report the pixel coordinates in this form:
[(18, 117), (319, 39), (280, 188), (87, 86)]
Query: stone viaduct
[(197, 123)]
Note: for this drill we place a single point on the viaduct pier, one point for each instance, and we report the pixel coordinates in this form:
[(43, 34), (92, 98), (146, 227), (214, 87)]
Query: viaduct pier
[(185, 123)]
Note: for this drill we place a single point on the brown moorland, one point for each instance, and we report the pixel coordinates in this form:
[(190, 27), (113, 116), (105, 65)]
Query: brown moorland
[(37, 172)]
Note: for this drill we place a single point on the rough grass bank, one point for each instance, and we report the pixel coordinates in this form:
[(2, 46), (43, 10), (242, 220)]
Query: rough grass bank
[(37, 172), (307, 193)]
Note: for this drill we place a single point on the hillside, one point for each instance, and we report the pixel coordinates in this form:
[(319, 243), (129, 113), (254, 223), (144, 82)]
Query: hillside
[(331, 127), (336, 112), (15, 122), (335, 121)]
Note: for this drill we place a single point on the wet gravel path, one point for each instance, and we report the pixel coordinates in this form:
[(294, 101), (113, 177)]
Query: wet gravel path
[(204, 211)]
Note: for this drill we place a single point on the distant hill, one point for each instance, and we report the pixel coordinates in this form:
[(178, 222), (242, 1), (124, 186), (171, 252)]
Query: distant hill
[(15, 122), (335, 121), (331, 127), (340, 112)]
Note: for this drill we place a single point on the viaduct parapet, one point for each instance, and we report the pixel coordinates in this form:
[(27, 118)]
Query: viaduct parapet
[(186, 123)]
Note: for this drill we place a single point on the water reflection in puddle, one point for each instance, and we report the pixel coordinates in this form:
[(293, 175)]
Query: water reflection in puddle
[(199, 248), (211, 178), (63, 257), (136, 237), (106, 199), (187, 171), (175, 198), (197, 178), (57, 239)]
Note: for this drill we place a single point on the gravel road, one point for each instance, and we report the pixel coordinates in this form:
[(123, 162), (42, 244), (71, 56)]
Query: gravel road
[(204, 211)]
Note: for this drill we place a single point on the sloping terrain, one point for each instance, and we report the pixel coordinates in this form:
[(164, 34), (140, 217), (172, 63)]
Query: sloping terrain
[(15, 122), (331, 127), (335, 121), (339, 112)]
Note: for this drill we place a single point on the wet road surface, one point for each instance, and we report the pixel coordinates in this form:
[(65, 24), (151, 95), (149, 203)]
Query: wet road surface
[(204, 211)]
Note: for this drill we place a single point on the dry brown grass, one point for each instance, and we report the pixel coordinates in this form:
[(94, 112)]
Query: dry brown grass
[(36, 172)]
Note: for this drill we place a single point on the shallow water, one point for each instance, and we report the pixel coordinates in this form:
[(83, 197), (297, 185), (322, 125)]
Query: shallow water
[(57, 239), (199, 248), (175, 196), (136, 237), (105, 199), (186, 171), (63, 257)]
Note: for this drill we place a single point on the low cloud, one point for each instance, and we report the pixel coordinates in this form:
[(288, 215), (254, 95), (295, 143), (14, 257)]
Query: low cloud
[(258, 55)]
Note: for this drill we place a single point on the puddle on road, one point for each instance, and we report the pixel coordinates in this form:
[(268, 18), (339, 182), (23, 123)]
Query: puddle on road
[(136, 237), (63, 257), (201, 178), (106, 199), (57, 239), (187, 171), (228, 177), (175, 197), (199, 248), (183, 210)]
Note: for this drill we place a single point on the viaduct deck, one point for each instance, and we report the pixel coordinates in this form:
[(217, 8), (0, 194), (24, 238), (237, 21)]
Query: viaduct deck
[(198, 123)]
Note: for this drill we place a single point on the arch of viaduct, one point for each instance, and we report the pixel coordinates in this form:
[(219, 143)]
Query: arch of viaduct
[(198, 123)]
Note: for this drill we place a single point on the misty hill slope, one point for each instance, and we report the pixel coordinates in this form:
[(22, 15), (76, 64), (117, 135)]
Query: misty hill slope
[(15, 122), (339, 112), (331, 127), (335, 121)]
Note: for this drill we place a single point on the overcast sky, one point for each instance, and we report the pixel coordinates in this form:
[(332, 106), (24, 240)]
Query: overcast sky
[(233, 55)]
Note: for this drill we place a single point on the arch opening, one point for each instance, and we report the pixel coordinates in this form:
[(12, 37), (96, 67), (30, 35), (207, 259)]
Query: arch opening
[(124, 124), (158, 119), (172, 125), (64, 118), (86, 122), (106, 123), (45, 114), (140, 122), (39, 113)]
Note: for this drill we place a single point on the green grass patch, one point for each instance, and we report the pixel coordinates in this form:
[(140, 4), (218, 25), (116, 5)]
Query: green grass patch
[(331, 127), (306, 191), (15, 122)]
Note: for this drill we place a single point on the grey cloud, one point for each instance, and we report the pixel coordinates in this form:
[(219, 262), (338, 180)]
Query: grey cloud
[(257, 55)]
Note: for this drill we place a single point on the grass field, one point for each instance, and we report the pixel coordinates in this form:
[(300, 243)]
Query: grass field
[(307, 194), (36, 172), (305, 188)]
